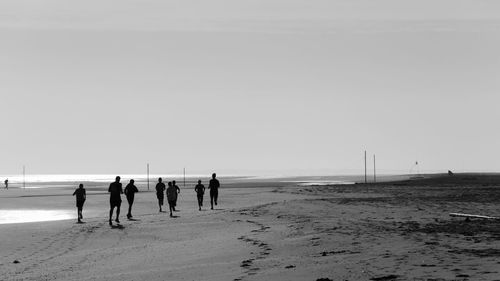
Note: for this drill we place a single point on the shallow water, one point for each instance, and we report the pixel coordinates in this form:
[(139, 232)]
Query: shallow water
[(48, 178), (311, 183), (49, 197), (29, 215)]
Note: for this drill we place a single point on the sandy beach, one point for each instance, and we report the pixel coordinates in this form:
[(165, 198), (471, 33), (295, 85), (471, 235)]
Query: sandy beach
[(267, 231)]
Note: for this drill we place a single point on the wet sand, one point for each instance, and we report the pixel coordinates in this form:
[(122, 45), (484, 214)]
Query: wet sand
[(276, 231)]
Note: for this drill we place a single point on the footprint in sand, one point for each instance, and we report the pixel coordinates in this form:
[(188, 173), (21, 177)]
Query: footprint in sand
[(247, 263)]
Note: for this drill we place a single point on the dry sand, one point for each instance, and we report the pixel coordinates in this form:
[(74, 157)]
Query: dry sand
[(396, 231)]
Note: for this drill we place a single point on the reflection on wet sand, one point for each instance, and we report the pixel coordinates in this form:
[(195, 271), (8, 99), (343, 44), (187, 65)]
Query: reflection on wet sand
[(27, 215)]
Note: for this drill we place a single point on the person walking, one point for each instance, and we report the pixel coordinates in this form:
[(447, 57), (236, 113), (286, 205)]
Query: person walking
[(171, 197), (200, 190), (130, 191), (214, 190), (115, 190), (178, 190), (160, 188), (6, 182), (81, 196)]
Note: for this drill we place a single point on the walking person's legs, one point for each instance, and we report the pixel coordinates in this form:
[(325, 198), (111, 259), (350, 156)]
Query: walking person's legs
[(110, 214), (171, 207), (200, 202), (211, 199), (117, 213), (130, 203), (160, 203)]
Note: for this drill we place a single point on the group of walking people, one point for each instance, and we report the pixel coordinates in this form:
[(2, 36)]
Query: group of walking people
[(172, 191), (213, 185)]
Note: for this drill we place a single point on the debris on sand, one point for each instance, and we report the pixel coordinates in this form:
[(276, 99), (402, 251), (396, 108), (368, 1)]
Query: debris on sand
[(385, 278), (16, 261), (329, 253), (324, 279), (290, 266), (246, 263)]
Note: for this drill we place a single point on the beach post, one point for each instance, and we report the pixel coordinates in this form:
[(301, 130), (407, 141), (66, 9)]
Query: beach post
[(365, 168), (147, 175), (374, 170)]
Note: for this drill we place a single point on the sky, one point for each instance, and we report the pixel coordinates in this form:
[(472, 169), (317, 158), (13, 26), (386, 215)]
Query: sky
[(249, 86)]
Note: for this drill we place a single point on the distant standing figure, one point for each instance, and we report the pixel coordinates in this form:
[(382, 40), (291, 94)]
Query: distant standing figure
[(6, 183), (115, 199), (178, 190), (81, 196), (130, 191), (171, 197), (214, 190), (200, 190), (160, 188)]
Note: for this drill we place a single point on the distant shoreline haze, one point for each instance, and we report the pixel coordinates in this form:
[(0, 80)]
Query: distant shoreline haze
[(33, 179)]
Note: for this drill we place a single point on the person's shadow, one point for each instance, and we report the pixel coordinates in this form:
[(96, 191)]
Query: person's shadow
[(174, 216), (117, 226), (132, 219)]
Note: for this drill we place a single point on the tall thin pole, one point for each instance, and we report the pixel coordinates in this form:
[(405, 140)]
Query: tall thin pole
[(374, 170), (184, 177), (24, 177), (365, 168), (148, 175)]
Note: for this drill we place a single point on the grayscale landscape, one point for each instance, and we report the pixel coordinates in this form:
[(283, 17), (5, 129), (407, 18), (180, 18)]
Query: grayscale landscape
[(249, 140)]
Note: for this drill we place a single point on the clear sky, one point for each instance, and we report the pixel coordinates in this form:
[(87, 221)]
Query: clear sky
[(274, 86)]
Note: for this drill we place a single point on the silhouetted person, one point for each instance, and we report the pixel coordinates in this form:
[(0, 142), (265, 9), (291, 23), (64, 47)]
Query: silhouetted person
[(171, 197), (200, 190), (160, 188), (6, 183), (214, 190), (178, 190), (81, 196), (115, 199), (130, 191)]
